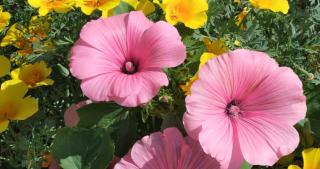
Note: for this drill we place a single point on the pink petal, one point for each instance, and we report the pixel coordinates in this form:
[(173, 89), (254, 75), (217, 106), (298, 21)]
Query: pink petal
[(161, 47), (124, 85), (107, 35), (84, 56), (54, 165), (217, 139), (264, 140), (150, 86), (98, 88), (280, 95), (137, 24), (71, 117), (191, 155), (167, 150)]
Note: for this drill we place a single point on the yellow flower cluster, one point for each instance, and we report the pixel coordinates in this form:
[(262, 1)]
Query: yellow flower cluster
[(23, 38), (13, 104), (193, 13)]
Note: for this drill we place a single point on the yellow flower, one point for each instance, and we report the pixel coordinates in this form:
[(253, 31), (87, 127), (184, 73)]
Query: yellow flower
[(88, 6), (217, 47), (13, 104), (203, 60), (16, 36), (5, 66), (23, 38), (39, 26), (33, 75), (193, 13), (4, 19), (46, 6), (311, 158), (145, 6), (273, 5), (241, 16)]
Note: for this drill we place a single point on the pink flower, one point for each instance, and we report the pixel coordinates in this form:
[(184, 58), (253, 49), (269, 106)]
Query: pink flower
[(121, 58), (244, 106), (167, 150)]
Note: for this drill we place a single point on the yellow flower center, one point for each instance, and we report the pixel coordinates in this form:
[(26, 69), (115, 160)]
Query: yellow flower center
[(33, 77), (180, 11)]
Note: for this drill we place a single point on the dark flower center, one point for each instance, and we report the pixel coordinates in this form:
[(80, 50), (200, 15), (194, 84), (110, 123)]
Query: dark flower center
[(233, 109), (130, 67)]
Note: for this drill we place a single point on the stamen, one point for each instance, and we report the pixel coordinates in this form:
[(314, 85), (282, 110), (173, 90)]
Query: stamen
[(233, 109), (130, 67)]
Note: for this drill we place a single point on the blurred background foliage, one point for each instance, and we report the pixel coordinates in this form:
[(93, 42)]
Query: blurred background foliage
[(292, 39)]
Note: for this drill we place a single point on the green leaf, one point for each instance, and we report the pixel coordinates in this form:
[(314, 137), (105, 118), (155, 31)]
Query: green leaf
[(246, 165), (91, 114), (78, 148), (315, 126), (122, 8), (124, 133)]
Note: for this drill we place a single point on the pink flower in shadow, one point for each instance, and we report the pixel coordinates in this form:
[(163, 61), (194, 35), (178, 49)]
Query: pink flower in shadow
[(167, 150)]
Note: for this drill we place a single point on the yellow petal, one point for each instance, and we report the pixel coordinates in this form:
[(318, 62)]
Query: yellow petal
[(35, 3), (273, 5), (4, 125), (14, 91), (187, 87), (87, 10), (162, 5), (196, 21), (294, 167), (5, 66), (198, 6), (205, 58), (106, 14), (146, 7), (311, 158), (15, 73), (7, 83), (26, 108), (46, 82), (43, 11)]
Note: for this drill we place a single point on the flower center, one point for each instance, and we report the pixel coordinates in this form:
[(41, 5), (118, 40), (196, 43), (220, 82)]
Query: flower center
[(129, 67), (233, 109)]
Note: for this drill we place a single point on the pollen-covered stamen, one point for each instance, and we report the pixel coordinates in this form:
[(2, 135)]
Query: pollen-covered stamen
[(129, 67), (233, 109)]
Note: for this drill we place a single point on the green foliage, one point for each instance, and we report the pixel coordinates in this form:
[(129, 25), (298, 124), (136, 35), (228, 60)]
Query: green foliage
[(78, 148)]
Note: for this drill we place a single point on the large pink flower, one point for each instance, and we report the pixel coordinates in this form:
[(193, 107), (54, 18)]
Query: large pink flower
[(121, 58), (244, 106), (167, 150)]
